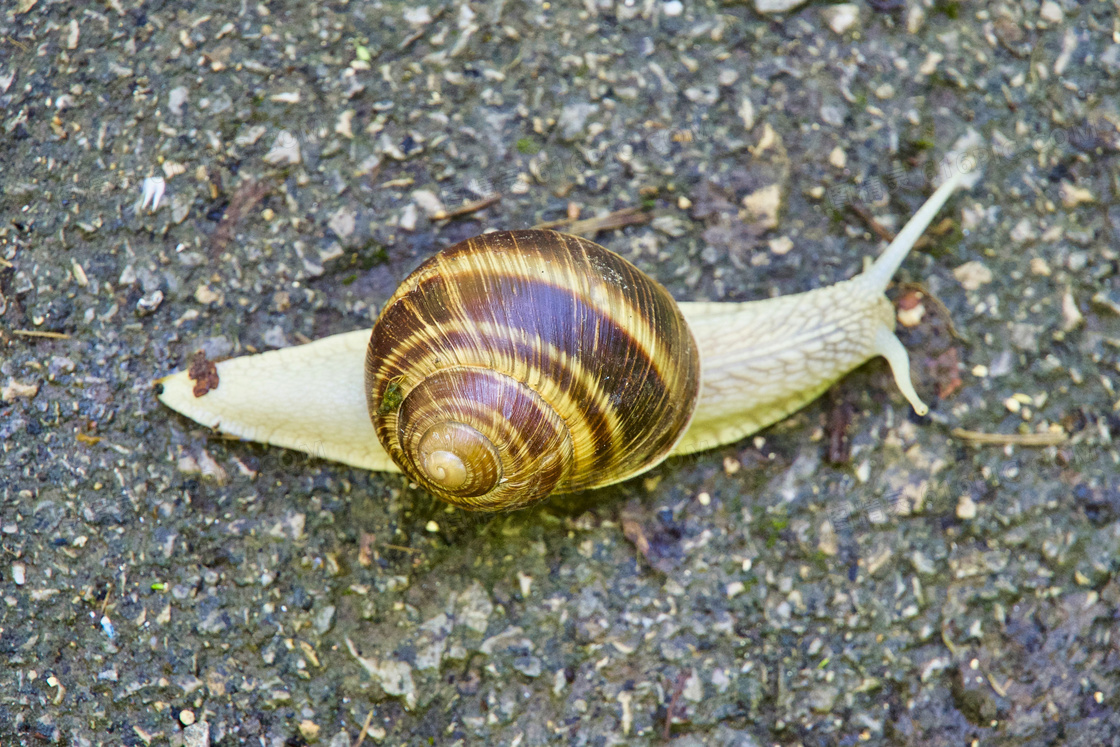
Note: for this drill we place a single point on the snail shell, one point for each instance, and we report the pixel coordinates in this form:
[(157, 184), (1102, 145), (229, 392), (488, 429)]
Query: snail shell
[(521, 363)]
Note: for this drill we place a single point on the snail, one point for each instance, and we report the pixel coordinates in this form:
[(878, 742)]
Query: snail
[(518, 364)]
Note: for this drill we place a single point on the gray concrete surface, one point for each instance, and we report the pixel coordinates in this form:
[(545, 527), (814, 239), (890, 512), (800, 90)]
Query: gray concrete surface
[(851, 576)]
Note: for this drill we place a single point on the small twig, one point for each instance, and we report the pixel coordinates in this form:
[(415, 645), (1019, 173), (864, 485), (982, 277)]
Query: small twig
[(947, 640), (365, 730), (839, 420), (549, 224), (677, 690), (590, 227), (470, 207), (37, 333), (1001, 690), (878, 228), (402, 548), (1015, 439), (105, 601), (6, 264)]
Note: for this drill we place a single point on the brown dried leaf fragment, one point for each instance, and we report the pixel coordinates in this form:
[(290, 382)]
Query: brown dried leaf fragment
[(633, 531), (946, 372), (203, 373), (244, 199), (88, 440)]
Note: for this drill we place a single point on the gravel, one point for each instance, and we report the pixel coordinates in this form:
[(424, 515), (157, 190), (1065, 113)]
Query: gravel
[(165, 586)]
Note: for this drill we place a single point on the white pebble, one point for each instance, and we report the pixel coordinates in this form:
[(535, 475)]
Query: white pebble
[(1051, 12), (777, 6), (972, 275), (841, 18)]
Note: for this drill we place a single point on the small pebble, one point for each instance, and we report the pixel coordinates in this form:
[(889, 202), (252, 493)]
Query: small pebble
[(966, 508), (777, 6), (746, 113), (929, 65), (828, 543), (1072, 195), (1023, 232), (1051, 12), (409, 217), (1071, 315), (428, 202), (915, 18), (176, 98), (344, 124), (912, 316), (885, 91), (432, 527), (19, 574), (309, 730), (781, 245), (841, 18), (149, 302), (206, 296), (79, 274), (186, 717), (285, 150), (972, 275), (15, 390), (1108, 300), (418, 16), (764, 204)]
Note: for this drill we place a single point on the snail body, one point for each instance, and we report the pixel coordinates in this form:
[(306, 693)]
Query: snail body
[(518, 364)]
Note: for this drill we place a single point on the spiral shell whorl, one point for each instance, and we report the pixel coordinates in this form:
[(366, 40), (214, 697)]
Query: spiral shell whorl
[(533, 340), (481, 440), (458, 458)]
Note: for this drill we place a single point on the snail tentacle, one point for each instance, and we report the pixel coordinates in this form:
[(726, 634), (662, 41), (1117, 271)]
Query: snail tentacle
[(879, 275)]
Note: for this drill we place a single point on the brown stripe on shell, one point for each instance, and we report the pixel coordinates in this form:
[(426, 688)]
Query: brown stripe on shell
[(559, 380)]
